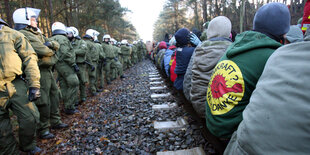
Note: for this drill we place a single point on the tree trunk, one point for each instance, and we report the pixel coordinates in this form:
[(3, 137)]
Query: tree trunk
[(32, 4), (8, 12), (204, 11), (210, 9), (176, 13), (197, 25), (66, 13), (242, 11), (50, 10)]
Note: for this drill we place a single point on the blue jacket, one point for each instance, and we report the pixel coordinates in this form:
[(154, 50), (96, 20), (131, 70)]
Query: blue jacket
[(167, 59), (182, 59)]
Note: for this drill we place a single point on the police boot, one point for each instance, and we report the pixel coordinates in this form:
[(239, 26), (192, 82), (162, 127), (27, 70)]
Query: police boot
[(47, 135), (35, 150), (60, 126)]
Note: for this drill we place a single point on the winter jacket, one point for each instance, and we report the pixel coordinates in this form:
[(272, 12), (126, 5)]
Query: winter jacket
[(65, 53), (160, 59), (276, 121), (107, 48), (167, 58), (183, 57), (206, 57), (187, 83), (17, 58), (92, 54), (234, 79), (47, 56), (306, 17), (80, 49), (172, 64)]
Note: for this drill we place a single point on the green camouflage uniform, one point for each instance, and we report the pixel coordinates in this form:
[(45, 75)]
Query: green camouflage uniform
[(134, 55), (80, 49), (126, 56), (17, 58), (47, 59), (92, 56), (101, 64), (109, 60), (68, 80), (117, 65)]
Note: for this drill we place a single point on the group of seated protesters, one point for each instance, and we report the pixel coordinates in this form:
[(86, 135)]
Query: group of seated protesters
[(251, 88)]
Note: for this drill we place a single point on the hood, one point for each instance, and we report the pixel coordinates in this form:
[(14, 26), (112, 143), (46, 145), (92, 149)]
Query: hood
[(162, 45), (219, 27), (172, 47), (250, 40), (181, 36), (295, 34)]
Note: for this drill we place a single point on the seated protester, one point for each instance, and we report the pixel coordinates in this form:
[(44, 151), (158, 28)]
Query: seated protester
[(306, 17), (276, 121), (183, 56), (205, 58), (168, 54), (160, 56), (236, 74), (187, 84), (294, 35)]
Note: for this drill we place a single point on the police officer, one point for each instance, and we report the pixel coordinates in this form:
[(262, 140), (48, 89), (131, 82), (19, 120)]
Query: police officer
[(125, 54), (45, 50), (80, 49), (117, 64), (101, 63), (107, 48), (66, 68), (18, 65), (92, 57)]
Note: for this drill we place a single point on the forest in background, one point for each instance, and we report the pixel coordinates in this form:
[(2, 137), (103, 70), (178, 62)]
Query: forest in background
[(191, 14), (108, 16), (105, 16)]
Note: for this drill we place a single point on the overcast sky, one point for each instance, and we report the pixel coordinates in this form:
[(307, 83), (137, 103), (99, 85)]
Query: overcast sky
[(143, 16)]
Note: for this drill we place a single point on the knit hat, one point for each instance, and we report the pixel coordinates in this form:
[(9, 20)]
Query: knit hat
[(219, 27), (162, 45), (181, 36), (294, 34), (272, 19)]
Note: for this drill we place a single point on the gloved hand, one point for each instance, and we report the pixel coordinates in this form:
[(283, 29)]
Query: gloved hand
[(76, 68), (48, 44), (34, 94), (115, 59), (92, 68), (194, 39)]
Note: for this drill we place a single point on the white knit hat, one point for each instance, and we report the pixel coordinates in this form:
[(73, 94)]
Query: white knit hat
[(219, 27)]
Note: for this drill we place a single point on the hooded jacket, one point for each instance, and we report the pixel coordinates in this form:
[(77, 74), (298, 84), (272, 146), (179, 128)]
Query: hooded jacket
[(234, 79), (276, 121), (183, 56), (167, 59), (206, 57)]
